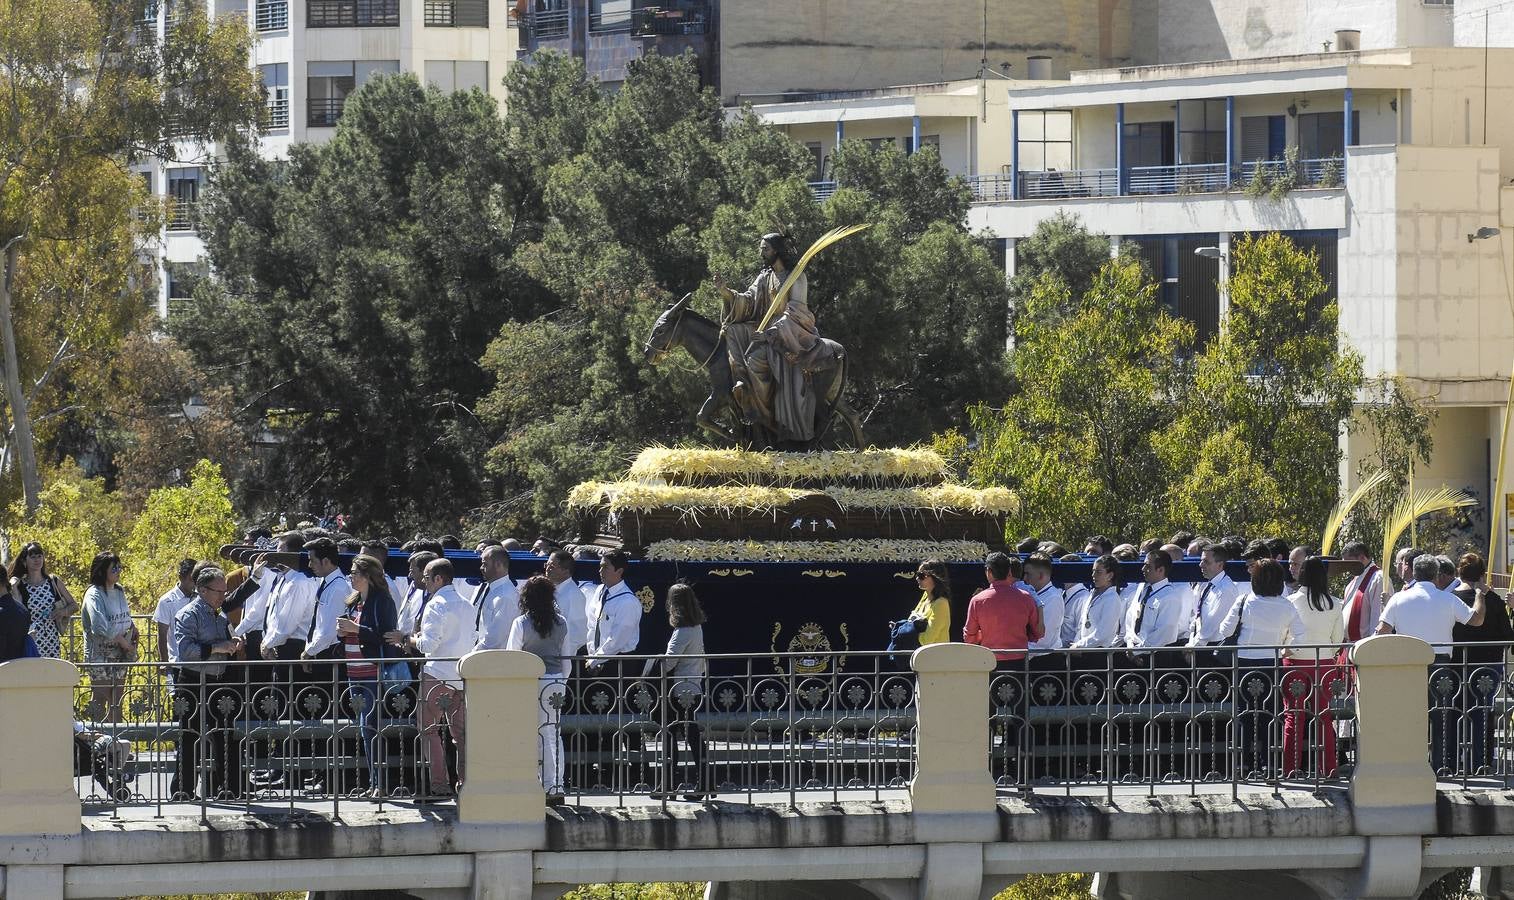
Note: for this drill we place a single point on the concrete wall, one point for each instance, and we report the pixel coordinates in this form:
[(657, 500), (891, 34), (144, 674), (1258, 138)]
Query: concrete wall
[(1471, 26), (956, 136), (1194, 30), (815, 45)]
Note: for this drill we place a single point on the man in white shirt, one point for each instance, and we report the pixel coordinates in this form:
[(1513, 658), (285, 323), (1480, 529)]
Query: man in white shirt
[(496, 602), (173, 600), (1403, 566), (1052, 605), (331, 592), (571, 603), (1217, 595), (446, 632), (1426, 612), (257, 612), (614, 616), (1075, 598), (290, 604), (1155, 616), (1363, 604)]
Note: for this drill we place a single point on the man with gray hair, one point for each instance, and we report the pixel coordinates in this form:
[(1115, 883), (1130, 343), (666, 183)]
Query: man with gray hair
[(1446, 578), (1426, 612), (203, 642)]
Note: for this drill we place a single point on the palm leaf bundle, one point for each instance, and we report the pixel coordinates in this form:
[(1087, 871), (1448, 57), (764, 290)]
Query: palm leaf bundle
[(1416, 504), (1344, 507), (825, 240)]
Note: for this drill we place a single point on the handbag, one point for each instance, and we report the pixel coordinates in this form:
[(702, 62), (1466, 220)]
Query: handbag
[(114, 654)]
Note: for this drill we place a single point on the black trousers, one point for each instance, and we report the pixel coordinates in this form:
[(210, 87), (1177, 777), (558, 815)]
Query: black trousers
[(677, 722), (208, 744)]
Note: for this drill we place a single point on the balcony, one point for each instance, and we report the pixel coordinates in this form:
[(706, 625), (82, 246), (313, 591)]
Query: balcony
[(1148, 181), (183, 215), (822, 189), (323, 112), (352, 13), (545, 25), (609, 23), (652, 21), (457, 13), (276, 114), (271, 16)]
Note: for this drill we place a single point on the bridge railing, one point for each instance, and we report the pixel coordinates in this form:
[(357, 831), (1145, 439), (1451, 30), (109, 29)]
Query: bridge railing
[(1471, 700), (1109, 718), (760, 727)]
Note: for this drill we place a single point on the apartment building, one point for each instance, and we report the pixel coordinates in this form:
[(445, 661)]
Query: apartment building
[(1393, 165), (310, 55)]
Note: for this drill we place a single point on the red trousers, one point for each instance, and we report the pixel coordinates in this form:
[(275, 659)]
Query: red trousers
[(1306, 715)]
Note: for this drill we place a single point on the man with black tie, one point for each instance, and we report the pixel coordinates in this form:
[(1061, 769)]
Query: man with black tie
[(1217, 595), (613, 616), (496, 602)]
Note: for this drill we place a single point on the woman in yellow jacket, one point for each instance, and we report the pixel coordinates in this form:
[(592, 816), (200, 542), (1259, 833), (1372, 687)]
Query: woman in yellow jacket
[(932, 616)]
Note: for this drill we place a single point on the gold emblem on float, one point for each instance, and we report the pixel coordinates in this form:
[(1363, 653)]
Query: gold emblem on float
[(647, 598), (813, 647)]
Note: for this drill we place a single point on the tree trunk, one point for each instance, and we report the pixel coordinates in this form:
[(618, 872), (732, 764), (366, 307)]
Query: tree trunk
[(21, 436)]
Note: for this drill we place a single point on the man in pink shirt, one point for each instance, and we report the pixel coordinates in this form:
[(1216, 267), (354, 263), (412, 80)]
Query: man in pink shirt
[(1002, 617)]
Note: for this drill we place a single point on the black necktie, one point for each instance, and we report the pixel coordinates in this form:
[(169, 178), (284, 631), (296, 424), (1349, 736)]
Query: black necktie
[(1198, 613), (268, 606), (1141, 597), (478, 602), (421, 610), (316, 613)]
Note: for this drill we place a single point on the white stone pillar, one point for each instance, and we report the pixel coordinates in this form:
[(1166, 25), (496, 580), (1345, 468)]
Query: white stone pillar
[(501, 785), (37, 793)]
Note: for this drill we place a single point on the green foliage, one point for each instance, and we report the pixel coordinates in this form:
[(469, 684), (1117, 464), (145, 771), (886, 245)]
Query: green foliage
[(1062, 248), (656, 891), (1094, 375), (1048, 887), (177, 522), (77, 519), (1265, 404)]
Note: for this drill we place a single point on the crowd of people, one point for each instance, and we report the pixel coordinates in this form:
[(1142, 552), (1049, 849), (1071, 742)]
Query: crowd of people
[(365, 633)]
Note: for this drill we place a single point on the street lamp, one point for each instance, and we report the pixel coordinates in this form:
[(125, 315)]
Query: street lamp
[(1209, 252), (1482, 234)]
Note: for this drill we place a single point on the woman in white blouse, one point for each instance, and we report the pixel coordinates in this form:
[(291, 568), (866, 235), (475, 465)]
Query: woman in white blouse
[(1310, 670), (1265, 621)]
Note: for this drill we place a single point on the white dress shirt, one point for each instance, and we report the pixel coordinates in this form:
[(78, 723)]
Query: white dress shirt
[(255, 612), (331, 595), (1320, 626), (494, 612), (1053, 609), (1099, 623), (409, 606), (1428, 613), (571, 604), (1074, 604), (289, 609), (613, 621), (446, 631), (1162, 624), (1373, 598), (1264, 622), (1216, 597), (168, 607)]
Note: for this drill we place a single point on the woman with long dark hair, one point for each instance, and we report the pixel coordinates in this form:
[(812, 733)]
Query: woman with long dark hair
[(682, 672), (110, 636), (1310, 670), (44, 596), (542, 630), (368, 615)]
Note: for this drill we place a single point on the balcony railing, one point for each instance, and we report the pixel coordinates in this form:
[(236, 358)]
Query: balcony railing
[(272, 16), (550, 24), (276, 113), (352, 13), (604, 23), (1192, 178), (322, 112), (823, 189), (457, 13), (689, 19), (183, 215)]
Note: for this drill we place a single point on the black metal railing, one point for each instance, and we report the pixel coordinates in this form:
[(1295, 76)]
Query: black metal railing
[(323, 112), (687, 18), (272, 15), (1172, 717), (457, 13), (603, 23), (351, 13), (548, 24), (1471, 740)]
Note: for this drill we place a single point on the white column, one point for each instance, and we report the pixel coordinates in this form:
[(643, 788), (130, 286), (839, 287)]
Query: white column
[(1224, 276)]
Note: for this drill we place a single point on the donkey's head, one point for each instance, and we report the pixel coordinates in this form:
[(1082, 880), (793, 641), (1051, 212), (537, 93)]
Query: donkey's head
[(665, 329)]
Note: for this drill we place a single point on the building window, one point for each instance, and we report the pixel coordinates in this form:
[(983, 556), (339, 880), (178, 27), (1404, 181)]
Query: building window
[(1323, 135), (609, 15), (1044, 140), (271, 15), (817, 160), (448, 75), (457, 13), (145, 30), (1147, 144), (275, 78), (352, 13), (926, 140), (1263, 137), (184, 188), (329, 83), (879, 143), (1201, 135), (1187, 283)]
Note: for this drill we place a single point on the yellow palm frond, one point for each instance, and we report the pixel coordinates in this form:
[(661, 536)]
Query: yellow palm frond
[(827, 239), (1419, 503), (1344, 507)]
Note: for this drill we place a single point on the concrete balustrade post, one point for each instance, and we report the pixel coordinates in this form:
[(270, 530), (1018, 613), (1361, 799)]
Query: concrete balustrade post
[(501, 785), (37, 794), (1392, 787)]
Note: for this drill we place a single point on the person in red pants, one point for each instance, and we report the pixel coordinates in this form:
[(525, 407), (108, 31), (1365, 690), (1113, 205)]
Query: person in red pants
[(1309, 673)]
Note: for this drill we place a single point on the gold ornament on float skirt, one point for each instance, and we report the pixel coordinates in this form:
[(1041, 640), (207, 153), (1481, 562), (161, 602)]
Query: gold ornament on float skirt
[(813, 646), (647, 598)]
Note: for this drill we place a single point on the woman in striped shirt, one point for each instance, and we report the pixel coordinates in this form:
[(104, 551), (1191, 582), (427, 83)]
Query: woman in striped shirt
[(370, 614)]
